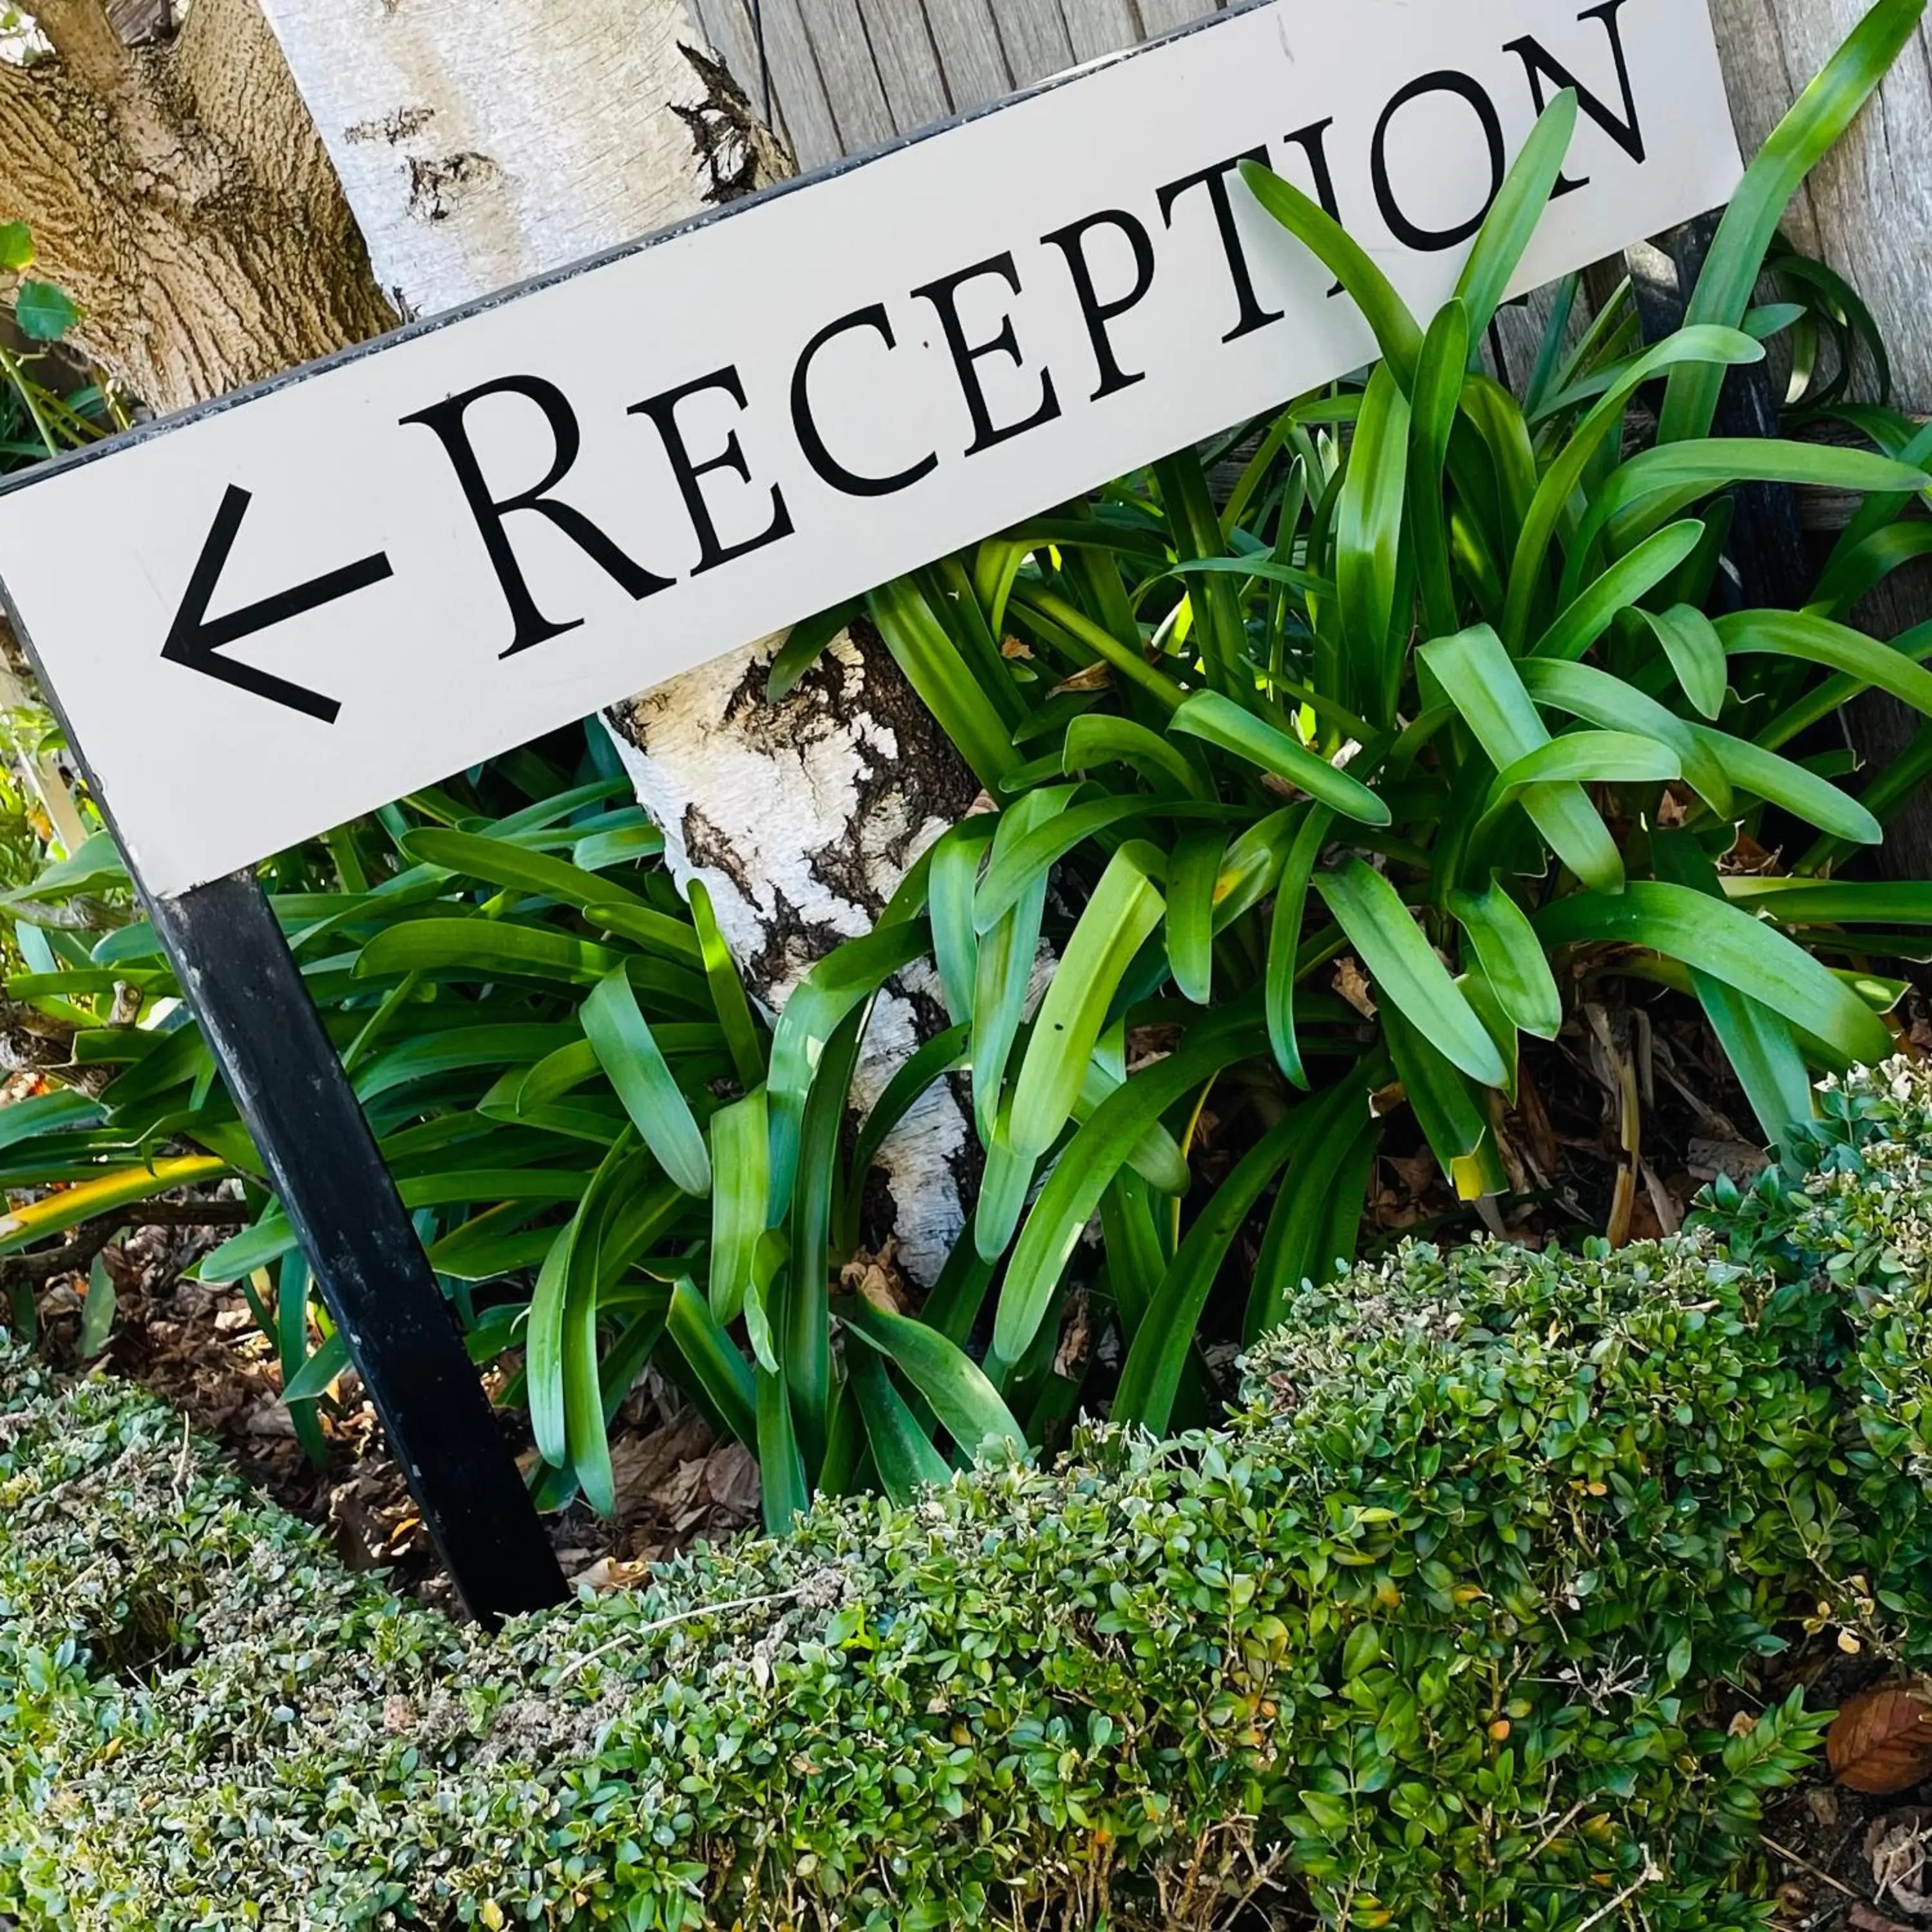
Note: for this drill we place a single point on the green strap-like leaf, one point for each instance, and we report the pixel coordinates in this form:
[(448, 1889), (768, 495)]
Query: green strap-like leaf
[(740, 1186), (952, 1382), (1477, 675), (1439, 378), (1782, 782), (1396, 331), (1095, 1155), (1588, 758), (849, 974), (1448, 1107), (1812, 128), (935, 668), (1123, 911), (1697, 654), (1099, 738), (1150, 1378), (902, 1452), (1519, 208), (954, 881), (1219, 721), (1725, 348), (1021, 862), (1588, 615), (721, 1372), (1716, 938), (727, 990), (1283, 967), (1815, 640), (1583, 691), (1303, 1205), (1368, 539), (1836, 901), (1191, 873), (1405, 969), (630, 1057), (1512, 958), (786, 1493), (1716, 464)]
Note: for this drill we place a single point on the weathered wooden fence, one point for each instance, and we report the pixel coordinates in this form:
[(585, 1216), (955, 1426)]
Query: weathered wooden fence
[(847, 74)]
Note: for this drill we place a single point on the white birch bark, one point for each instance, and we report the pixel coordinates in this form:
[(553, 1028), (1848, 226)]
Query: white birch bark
[(480, 142)]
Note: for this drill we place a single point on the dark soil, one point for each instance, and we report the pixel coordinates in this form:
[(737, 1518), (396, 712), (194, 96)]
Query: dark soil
[(198, 1347)]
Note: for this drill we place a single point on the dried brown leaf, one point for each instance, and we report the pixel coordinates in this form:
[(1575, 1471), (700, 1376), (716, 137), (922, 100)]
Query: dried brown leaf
[(1881, 1742)]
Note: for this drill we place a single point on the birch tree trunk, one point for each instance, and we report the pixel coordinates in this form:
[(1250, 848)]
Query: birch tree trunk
[(480, 142)]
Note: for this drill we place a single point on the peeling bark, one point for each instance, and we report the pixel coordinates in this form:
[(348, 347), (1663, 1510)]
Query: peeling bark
[(482, 142), (801, 817)]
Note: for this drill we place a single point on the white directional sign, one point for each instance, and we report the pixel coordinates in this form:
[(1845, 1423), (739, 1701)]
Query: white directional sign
[(263, 618)]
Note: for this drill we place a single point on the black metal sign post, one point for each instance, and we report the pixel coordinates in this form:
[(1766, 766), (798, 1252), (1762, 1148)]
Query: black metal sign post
[(242, 984), (245, 991)]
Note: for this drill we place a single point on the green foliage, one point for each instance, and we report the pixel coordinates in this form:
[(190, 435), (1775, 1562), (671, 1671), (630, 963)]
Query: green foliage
[(1448, 1628), (44, 312), (1847, 1222), (1442, 680)]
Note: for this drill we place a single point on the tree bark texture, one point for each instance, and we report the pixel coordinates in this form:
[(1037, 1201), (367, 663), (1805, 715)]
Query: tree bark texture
[(482, 141), (179, 193)]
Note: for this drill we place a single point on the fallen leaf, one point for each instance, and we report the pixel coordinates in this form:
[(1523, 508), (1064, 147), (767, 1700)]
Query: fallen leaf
[(1094, 677), (1352, 983), (1881, 1742), (1896, 1849)]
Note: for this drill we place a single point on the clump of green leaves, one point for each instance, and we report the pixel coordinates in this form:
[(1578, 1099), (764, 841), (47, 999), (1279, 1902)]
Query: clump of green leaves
[(1847, 1222), (1448, 1628), (1443, 680), (569, 1085)]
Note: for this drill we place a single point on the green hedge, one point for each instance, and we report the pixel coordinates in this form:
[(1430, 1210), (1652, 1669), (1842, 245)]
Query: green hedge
[(1438, 1633)]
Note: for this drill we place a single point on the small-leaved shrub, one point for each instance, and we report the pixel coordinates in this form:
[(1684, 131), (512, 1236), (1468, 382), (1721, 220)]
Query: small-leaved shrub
[(1849, 1225), (1446, 683), (1474, 1616)]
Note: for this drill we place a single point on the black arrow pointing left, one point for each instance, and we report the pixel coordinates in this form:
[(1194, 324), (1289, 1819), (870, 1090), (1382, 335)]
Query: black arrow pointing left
[(196, 640)]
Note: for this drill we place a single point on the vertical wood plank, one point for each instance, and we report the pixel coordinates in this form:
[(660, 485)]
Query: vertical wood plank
[(1868, 207), (970, 52), (1034, 36), (836, 32), (728, 26), (908, 64), (1098, 27), (1160, 17), (806, 106)]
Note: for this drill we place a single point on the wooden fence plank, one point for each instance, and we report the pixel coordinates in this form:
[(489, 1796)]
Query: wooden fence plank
[(1097, 27), (804, 108), (844, 51), (1159, 16), (915, 85), (967, 41), (1035, 38), (1867, 208)]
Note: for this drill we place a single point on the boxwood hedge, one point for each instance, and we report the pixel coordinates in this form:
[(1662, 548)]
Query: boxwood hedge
[(1472, 1616)]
